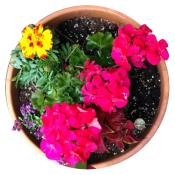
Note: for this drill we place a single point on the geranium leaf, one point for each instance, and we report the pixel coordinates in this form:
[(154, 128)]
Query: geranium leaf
[(37, 99), (99, 41), (80, 165), (64, 80), (106, 129), (103, 58)]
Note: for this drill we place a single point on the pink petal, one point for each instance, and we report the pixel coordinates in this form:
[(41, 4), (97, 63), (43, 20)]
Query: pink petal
[(154, 46), (73, 122), (91, 147), (127, 29), (150, 39), (139, 42), (164, 54), (72, 158), (95, 123), (146, 29), (163, 44), (153, 58), (131, 50), (56, 107), (96, 81), (52, 151)]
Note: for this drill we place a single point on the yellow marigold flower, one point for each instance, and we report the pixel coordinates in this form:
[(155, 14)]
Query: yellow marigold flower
[(36, 41)]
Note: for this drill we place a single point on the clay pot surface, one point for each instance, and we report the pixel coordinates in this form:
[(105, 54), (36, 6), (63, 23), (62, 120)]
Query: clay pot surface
[(12, 93)]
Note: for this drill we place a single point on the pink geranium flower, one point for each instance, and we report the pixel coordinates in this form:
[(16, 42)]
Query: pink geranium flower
[(107, 88), (68, 132), (137, 45), (156, 50)]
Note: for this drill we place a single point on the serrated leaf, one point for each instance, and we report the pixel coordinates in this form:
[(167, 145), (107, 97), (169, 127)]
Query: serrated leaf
[(65, 98), (99, 41), (15, 65), (22, 57), (76, 82), (103, 58), (64, 80), (17, 60)]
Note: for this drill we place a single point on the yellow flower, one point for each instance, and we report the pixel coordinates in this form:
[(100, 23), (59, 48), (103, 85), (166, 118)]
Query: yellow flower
[(36, 41)]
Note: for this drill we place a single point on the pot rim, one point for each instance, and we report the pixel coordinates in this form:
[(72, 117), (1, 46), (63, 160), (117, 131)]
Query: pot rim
[(161, 67)]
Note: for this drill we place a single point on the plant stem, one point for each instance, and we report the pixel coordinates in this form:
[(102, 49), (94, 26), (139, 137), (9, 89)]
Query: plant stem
[(71, 53), (80, 67)]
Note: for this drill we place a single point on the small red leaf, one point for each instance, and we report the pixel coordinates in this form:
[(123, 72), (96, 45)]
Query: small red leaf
[(127, 138), (116, 120), (106, 129), (129, 125), (100, 114), (120, 145), (114, 136)]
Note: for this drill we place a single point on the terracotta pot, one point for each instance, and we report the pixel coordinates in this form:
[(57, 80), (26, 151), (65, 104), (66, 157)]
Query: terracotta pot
[(12, 93)]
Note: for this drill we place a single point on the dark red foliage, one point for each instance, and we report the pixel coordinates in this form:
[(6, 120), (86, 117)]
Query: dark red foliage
[(116, 128)]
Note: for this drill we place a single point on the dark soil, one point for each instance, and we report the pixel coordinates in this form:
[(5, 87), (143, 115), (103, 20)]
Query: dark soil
[(145, 83), (25, 93)]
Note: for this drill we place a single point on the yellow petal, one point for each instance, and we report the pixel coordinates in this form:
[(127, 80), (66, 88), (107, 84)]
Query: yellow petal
[(47, 34), (27, 31), (41, 52)]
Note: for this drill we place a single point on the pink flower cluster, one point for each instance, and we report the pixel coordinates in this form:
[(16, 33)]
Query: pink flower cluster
[(105, 87), (136, 45), (69, 132)]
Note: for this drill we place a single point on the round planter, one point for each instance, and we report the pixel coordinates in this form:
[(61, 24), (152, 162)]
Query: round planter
[(12, 93)]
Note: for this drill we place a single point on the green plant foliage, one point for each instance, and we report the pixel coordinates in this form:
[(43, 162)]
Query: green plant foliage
[(65, 88), (99, 41), (80, 165), (33, 70), (102, 46), (78, 58), (65, 51), (103, 58)]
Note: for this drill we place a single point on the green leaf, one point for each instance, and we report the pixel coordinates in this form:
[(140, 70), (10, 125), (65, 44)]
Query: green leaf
[(65, 98), (22, 57), (41, 81), (37, 100), (127, 106), (103, 58), (78, 58), (17, 60), (15, 65), (14, 78), (80, 165), (54, 56), (64, 80), (76, 82), (99, 41), (49, 101), (56, 51)]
